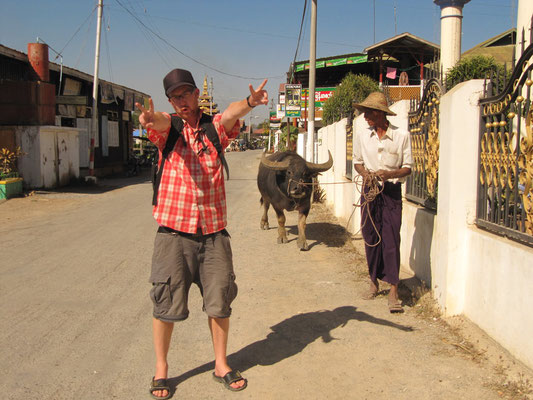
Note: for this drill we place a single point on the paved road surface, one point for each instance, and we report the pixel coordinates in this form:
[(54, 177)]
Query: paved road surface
[(76, 314)]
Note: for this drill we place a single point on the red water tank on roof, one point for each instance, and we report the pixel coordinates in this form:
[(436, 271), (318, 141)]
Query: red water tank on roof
[(38, 56)]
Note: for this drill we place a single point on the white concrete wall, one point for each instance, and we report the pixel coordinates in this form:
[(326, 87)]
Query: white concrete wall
[(417, 241), (52, 157), (498, 285), (457, 182)]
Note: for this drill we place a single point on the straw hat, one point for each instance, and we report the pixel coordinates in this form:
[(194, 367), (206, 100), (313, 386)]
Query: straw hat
[(375, 101)]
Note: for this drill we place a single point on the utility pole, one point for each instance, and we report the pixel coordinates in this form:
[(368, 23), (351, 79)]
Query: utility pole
[(311, 135), (270, 129), (94, 127)]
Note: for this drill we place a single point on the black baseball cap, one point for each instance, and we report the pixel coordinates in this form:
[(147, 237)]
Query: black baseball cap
[(176, 78)]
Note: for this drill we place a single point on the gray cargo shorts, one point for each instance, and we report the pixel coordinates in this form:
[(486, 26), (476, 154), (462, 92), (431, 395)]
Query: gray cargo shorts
[(180, 259)]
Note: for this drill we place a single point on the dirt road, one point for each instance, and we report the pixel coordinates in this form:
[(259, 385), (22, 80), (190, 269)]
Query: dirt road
[(76, 316)]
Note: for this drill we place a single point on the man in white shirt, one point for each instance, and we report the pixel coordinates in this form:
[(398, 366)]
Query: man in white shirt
[(385, 150)]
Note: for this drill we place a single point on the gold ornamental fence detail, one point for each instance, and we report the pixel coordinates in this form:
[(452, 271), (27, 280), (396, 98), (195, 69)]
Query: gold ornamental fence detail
[(505, 187), (424, 129)]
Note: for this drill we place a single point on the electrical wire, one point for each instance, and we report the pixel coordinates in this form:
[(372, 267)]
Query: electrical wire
[(186, 55), (82, 48), (75, 33), (164, 57), (107, 52)]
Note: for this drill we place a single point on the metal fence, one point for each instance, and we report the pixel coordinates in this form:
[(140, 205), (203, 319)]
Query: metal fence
[(505, 186), (423, 117)]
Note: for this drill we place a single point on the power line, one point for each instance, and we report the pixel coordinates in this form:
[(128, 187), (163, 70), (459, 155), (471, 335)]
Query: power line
[(75, 33), (82, 48), (164, 57), (106, 29), (186, 55)]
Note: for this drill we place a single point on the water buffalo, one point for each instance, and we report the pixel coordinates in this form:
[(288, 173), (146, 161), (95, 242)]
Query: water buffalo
[(285, 181)]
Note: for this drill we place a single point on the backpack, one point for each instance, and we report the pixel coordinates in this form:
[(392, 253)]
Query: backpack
[(176, 127)]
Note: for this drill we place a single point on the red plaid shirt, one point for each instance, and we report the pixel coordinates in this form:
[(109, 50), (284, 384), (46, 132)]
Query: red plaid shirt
[(191, 194)]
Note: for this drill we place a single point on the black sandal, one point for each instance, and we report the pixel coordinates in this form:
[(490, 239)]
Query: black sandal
[(229, 378), (159, 384)]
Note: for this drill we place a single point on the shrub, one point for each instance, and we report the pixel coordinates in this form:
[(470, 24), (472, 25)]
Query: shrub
[(476, 67), (353, 88), (8, 162)]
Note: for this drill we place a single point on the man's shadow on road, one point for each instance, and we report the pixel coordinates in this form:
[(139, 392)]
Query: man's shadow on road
[(290, 337)]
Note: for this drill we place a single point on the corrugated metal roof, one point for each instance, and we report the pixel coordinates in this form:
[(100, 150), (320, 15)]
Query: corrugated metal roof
[(18, 55)]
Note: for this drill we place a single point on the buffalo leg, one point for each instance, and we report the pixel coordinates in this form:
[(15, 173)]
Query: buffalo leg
[(264, 218), (302, 241), (282, 233)]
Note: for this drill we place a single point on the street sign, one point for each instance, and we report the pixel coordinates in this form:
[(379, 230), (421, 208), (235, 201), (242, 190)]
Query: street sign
[(274, 116), (293, 99)]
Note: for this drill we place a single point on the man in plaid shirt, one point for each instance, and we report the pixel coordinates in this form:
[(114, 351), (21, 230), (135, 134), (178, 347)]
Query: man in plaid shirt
[(192, 244)]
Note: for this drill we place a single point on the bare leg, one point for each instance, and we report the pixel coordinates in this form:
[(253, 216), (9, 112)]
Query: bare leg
[(162, 332), (394, 304), (372, 290), (393, 293), (219, 334)]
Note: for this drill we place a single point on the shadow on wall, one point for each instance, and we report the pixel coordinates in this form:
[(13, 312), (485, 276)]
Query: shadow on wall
[(420, 256)]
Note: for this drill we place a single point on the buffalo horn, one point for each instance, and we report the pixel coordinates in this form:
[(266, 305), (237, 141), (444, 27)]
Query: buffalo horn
[(274, 165), (320, 167)]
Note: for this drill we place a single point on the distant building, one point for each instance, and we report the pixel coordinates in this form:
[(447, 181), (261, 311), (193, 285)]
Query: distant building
[(399, 64), (500, 47), (38, 96)]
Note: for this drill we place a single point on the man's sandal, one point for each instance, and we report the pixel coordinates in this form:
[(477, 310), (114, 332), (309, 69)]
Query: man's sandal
[(159, 384), (395, 306), (229, 378)]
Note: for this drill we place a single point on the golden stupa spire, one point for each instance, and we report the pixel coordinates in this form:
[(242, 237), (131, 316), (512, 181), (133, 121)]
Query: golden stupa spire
[(206, 100)]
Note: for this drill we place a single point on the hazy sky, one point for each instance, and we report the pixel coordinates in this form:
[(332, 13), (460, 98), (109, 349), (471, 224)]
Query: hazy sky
[(234, 42)]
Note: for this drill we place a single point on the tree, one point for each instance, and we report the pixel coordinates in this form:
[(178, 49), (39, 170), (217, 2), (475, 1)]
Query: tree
[(283, 137), (476, 67), (353, 88)]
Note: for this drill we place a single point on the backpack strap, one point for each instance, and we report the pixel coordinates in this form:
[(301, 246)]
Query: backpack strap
[(176, 126), (207, 126)]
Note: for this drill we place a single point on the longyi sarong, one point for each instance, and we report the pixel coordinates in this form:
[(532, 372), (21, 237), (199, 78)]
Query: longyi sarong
[(386, 213)]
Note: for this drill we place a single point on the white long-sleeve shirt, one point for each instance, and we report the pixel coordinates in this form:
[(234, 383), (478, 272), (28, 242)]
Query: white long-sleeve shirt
[(392, 151)]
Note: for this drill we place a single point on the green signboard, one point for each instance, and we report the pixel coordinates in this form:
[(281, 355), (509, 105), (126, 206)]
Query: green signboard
[(334, 62), (321, 95)]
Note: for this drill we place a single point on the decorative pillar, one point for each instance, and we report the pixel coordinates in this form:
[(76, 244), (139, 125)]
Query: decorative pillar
[(451, 18)]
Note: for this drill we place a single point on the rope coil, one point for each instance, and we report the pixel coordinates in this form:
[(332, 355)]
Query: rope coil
[(372, 181)]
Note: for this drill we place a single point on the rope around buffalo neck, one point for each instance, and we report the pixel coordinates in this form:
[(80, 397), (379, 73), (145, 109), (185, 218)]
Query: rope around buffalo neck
[(370, 180)]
